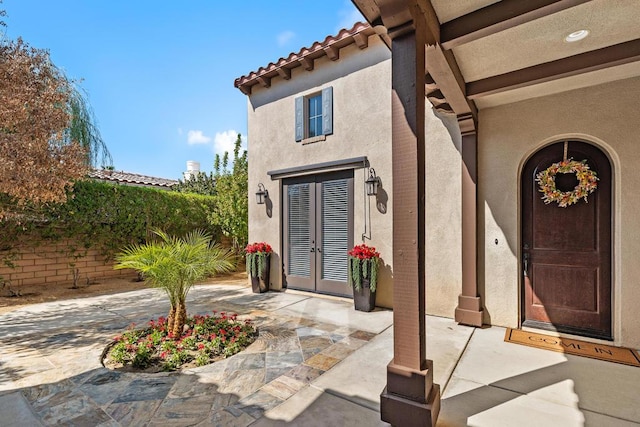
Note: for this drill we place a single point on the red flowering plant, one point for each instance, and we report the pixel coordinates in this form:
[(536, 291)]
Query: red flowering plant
[(154, 347), (256, 254), (363, 263)]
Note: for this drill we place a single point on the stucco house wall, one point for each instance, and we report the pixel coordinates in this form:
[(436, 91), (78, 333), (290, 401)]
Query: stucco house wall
[(361, 81), (361, 117), (508, 135), (443, 213)]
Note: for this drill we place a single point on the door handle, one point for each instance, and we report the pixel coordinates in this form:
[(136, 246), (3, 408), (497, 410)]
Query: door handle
[(312, 250), (525, 260)]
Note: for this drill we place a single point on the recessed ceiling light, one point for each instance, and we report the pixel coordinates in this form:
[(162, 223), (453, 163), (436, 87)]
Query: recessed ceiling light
[(576, 36)]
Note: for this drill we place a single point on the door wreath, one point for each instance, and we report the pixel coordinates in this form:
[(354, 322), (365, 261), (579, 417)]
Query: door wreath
[(587, 182)]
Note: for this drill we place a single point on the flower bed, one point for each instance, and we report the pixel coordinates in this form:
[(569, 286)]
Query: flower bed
[(205, 340)]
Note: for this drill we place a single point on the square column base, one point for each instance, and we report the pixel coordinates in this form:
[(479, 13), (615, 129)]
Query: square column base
[(469, 311), (398, 411), (410, 397)]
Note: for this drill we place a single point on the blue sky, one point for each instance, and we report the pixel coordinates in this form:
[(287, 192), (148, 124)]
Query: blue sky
[(160, 74)]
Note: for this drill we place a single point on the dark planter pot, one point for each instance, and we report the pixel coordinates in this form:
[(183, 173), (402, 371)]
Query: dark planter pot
[(261, 284), (364, 299)]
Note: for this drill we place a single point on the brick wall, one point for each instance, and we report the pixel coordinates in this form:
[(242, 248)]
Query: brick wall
[(49, 264)]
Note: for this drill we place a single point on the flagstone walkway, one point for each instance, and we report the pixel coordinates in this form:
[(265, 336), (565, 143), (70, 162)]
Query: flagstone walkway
[(317, 362), (50, 372)]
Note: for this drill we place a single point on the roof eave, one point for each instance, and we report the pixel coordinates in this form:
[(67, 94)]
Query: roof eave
[(306, 57)]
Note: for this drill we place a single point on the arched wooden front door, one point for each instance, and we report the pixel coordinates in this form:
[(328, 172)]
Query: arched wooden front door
[(566, 252)]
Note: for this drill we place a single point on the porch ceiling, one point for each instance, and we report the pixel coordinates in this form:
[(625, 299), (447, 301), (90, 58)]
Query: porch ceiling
[(511, 50), (448, 10)]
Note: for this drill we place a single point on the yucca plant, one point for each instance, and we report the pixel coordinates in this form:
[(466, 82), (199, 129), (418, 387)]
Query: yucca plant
[(175, 264)]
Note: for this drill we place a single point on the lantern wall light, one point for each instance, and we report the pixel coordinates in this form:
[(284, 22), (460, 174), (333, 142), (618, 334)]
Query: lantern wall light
[(372, 183), (262, 194)]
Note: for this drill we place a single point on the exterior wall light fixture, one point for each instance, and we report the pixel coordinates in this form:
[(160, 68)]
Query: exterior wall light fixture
[(262, 194), (372, 183)]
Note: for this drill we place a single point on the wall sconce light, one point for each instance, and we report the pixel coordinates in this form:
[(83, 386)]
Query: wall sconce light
[(372, 183), (262, 194)]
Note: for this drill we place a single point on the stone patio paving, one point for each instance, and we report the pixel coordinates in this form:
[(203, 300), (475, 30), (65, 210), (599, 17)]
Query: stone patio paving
[(317, 362), (50, 371)]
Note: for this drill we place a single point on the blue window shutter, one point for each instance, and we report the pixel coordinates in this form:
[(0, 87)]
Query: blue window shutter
[(299, 118), (327, 111)]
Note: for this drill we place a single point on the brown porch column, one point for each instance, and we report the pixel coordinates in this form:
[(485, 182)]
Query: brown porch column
[(410, 397), (469, 310)]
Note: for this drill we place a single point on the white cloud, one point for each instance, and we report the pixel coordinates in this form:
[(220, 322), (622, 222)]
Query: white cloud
[(225, 141), (349, 15), (197, 137), (285, 37)]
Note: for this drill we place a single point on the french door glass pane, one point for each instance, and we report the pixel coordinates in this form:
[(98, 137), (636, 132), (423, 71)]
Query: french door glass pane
[(299, 230), (335, 230)]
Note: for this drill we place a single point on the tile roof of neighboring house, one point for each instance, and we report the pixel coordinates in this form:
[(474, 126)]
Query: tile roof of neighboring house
[(330, 46), (131, 178)]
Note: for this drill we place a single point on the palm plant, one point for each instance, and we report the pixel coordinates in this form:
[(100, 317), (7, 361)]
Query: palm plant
[(175, 264)]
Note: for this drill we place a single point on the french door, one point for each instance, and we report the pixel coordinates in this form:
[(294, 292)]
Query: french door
[(318, 232)]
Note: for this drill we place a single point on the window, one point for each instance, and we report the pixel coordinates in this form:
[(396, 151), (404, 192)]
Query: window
[(314, 114), (314, 124)]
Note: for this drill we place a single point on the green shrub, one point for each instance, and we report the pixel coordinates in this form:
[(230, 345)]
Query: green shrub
[(108, 217)]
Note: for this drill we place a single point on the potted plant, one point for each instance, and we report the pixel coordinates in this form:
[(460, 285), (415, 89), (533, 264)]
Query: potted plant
[(363, 276), (258, 265)]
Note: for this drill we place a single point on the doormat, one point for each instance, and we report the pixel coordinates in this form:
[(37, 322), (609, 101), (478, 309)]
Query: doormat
[(625, 356)]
